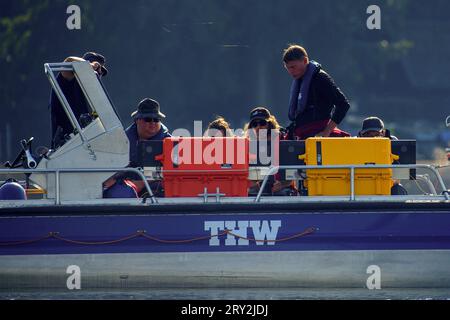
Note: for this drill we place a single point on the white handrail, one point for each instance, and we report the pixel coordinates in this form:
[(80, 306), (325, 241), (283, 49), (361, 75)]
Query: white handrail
[(57, 173), (272, 170), (352, 168)]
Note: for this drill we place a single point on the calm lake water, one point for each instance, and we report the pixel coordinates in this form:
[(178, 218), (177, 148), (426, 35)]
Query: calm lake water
[(231, 294)]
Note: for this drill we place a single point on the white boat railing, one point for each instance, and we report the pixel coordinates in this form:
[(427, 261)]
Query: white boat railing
[(271, 171), (58, 172)]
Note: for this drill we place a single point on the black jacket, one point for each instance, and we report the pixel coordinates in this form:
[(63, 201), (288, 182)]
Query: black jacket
[(76, 100), (325, 101)]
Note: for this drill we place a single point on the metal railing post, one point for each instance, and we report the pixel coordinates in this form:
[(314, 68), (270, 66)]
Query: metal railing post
[(57, 185), (352, 183)]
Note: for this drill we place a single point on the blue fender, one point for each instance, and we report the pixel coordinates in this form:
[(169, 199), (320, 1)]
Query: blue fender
[(12, 191)]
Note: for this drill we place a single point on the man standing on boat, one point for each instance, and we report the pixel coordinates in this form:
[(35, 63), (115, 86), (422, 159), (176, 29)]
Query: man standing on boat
[(61, 125), (316, 104)]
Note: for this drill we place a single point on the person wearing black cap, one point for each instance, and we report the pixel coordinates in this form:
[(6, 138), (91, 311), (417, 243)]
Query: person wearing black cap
[(261, 119), (263, 125), (374, 127), (98, 67), (316, 104), (61, 124), (146, 125)]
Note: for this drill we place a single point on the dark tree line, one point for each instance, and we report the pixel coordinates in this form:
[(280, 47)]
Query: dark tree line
[(202, 58)]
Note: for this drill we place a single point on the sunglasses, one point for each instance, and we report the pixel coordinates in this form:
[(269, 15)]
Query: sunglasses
[(258, 123), (372, 134), (156, 120)]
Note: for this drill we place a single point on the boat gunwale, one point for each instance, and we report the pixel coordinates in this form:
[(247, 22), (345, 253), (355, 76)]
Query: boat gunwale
[(224, 208)]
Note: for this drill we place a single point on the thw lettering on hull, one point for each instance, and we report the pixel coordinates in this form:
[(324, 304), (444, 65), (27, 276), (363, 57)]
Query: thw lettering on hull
[(264, 232)]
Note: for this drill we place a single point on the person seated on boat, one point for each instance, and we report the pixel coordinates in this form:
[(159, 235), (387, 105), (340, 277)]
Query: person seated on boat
[(316, 105), (147, 125), (219, 128), (261, 128), (60, 123), (374, 127)]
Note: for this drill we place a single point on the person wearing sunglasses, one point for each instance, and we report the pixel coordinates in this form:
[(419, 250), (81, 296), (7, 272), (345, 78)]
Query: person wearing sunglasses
[(60, 123), (261, 122), (264, 125), (147, 125)]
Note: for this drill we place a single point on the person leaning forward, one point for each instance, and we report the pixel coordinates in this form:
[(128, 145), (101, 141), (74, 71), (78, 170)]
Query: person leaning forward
[(316, 104), (60, 123)]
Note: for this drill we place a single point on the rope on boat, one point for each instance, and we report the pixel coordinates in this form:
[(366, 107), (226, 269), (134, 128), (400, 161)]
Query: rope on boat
[(183, 241), (135, 235), (142, 233), (298, 235), (18, 243)]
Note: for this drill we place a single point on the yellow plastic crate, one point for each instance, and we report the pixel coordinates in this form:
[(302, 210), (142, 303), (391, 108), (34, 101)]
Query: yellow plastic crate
[(338, 185), (348, 151)]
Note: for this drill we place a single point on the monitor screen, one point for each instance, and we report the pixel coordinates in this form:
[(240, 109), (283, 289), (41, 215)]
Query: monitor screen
[(289, 152), (406, 150), (147, 151)]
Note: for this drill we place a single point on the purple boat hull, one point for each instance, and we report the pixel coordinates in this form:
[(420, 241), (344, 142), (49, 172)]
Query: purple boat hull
[(280, 245)]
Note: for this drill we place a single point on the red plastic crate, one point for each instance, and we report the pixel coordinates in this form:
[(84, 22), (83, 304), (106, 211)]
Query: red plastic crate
[(192, 164)]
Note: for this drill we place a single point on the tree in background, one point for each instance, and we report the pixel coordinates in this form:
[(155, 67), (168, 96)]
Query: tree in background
[(202, 58)]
